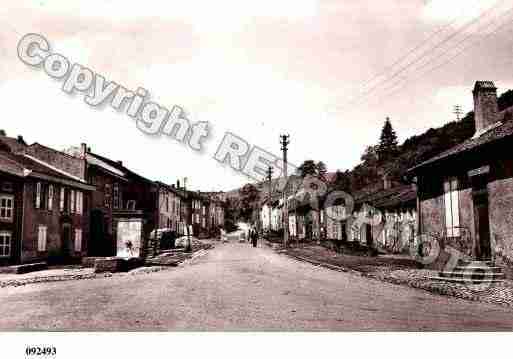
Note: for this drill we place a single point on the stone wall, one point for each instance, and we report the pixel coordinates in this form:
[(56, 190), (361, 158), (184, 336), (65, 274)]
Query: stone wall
[(501, 219)]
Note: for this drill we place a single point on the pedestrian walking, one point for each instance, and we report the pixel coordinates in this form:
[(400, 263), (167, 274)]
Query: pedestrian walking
[(254, 236)]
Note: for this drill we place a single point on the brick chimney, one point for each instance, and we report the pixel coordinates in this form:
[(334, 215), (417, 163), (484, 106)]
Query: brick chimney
[(83, 150), (485, 106)]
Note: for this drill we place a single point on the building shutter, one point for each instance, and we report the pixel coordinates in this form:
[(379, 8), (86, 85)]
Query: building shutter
[(78, 240)]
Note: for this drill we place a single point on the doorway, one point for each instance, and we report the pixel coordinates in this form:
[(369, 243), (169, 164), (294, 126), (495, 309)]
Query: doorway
[(66, 245), (482, 225)]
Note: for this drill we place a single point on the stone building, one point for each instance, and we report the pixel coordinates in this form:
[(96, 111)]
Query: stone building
[(169, 203), (385, 219), (466, 193)]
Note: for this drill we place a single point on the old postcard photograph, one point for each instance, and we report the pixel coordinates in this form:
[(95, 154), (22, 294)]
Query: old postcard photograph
[(294, 167)]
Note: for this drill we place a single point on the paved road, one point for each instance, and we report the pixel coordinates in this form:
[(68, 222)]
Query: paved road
[(236, 287)]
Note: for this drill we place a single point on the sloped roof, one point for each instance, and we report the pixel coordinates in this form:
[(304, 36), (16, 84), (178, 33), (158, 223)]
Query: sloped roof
[(14, 144), (389, 198), (24, 165), (121, 168), (502, 131), (8, 165), (102, 162)]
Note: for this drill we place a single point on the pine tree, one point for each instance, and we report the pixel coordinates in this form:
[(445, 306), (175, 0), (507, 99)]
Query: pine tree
[(387, 147), (307, 168)]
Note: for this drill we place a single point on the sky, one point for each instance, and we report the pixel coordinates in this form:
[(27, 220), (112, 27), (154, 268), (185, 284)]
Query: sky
[(327, 72)]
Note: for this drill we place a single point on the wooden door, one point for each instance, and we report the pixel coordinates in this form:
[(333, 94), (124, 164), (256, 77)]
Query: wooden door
[(482, 223)]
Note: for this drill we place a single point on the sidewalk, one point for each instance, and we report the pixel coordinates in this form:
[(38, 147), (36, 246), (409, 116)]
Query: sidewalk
[(400, 270), (77, 272)]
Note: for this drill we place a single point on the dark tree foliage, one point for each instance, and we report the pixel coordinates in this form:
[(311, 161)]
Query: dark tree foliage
[(249, 197), (231, 215), (2, 133), (321, 169), (387, 147), (307, 168), (342, 181), (505, 100), (310, 167)]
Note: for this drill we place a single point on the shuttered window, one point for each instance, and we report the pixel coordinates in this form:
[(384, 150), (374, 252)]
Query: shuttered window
[(78, 240), (72, 201), (50, 197), (38, 195), (62, 199), (452, 210), (41, 239)]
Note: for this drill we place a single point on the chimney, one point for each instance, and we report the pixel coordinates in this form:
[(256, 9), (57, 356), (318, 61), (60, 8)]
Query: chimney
[(83, 150), (120, 163), (20, 139), (178, 184), (485, 106)]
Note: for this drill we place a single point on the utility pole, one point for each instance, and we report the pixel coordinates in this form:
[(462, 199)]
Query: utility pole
[(284, 141), (457, 111), (270, 179), (188, 247)]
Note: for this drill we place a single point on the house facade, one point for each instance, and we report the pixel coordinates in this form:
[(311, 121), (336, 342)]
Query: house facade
[(11, 212), (44, 210), (169, 203), (386, 219), (466, 193)]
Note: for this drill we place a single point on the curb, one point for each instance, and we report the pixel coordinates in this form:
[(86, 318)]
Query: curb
[(70, 277), (416, 284)]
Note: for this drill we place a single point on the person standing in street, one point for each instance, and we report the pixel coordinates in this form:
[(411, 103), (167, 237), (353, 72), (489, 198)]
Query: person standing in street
[(254, 236)]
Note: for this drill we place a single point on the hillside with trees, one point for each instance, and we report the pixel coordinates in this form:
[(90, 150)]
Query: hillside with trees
[(385, 156)]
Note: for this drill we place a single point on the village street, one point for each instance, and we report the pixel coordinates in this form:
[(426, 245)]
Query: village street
[(237, 287)]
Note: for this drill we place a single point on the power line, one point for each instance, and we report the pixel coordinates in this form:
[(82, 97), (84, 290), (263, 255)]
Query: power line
[(428, 51), (396, 89), (411, 51)]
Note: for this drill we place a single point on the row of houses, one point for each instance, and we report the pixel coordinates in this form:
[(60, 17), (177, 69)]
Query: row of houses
[(64, 205), (462, 198)]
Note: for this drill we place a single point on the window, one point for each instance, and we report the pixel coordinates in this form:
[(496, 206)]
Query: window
[(452, 211), (61, 199), (107, 195), (72, 202), (5, 244), (115, 195), (38, 195), (79, 202), (78, 240), (41, 239), (6, 208), (50, 197), (167, 203)]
